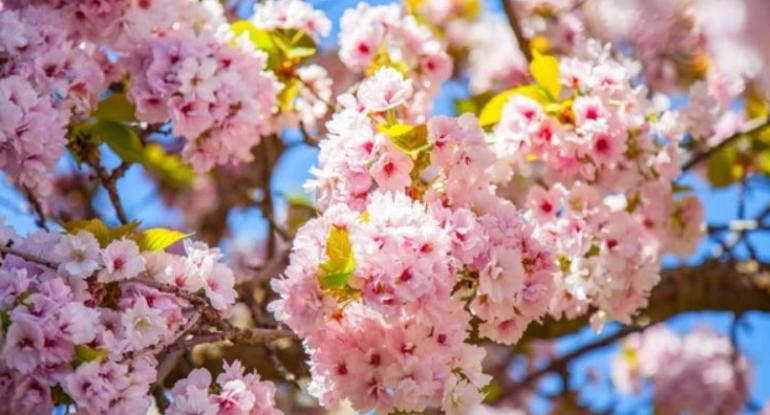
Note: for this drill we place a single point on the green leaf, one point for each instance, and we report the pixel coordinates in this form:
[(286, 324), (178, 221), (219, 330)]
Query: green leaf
[(85, 354), (116, 107), (158, 239), (300, 210), (262, 39), (722, 168), (59, 397), (756, 103), (95, 227), (294, 44), (763, 162), (288, 94), (492, 391), (335, 272), (119, 138), (493, 110), (411, 139), (5, 319), (100, 230), (545, 71), (169, 168), (473, 105)]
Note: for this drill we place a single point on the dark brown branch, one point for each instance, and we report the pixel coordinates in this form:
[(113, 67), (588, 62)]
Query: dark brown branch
[(110, 181), (513, 20), (750, 128), (560, 364), (234, 335), (27, 257), (710, 286), (37, 207)]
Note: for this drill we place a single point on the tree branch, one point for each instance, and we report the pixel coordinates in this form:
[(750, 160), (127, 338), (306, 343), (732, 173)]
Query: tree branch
[(750, 128), (37, 207), (560, 364), (109, 181), (234, 335), (710, 286), (513, 20), (6, 250)]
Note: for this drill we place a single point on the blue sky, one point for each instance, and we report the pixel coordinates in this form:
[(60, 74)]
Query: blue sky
[(721, 205)]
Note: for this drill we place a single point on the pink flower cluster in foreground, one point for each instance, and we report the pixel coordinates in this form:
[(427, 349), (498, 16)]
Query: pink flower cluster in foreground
[(83, 321), (433, 242)]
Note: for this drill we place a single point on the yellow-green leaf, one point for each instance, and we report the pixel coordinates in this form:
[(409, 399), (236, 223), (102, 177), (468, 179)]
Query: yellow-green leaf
[(85, 354), (721, 167), (493, 110), (300, 210), (158, 239), (763, 162), (473, 105), (262, 39), (116, 107), (288, 94), (335, 272), (410, 139), (545, 71), (756, 103), (100, 230), (119, 138), (169, 168)]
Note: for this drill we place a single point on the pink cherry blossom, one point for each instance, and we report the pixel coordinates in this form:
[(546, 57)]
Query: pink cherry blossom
[(121, 260), (385, 90), (79, 254)]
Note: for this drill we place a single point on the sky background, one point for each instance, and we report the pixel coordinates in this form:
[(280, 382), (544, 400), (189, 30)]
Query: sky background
[(141, 202)]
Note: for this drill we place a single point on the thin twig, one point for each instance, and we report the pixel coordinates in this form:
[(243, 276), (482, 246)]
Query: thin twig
[(560, 364), (307, 137), (234, 335), (37, 207), (109, 181), (275, 227), (750, 128), (513, 20), (329, 105), (28, 257)]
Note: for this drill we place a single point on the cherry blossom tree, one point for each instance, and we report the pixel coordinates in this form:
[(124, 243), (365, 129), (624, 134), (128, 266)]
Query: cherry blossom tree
[(435, 257)]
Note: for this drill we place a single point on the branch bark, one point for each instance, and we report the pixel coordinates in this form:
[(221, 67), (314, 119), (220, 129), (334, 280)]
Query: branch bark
[(513, 20), (710, 286), (751, 128)]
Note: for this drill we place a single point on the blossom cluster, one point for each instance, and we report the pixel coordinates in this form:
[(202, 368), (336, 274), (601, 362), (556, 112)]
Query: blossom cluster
[(45, 80), (291, 15), (604, 131), (217, 97), (600, 160), (238, 393), (179, 58), (386, 36), (308, 88), (693, 373), (387, 334), (84, 317)]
